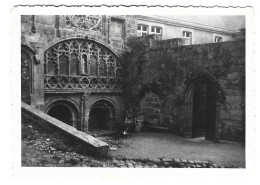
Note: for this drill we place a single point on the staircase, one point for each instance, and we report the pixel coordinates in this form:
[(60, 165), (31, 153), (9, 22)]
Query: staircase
[(89, 142)]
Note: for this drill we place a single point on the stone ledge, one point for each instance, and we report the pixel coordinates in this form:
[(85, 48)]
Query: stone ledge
[(98, 146)]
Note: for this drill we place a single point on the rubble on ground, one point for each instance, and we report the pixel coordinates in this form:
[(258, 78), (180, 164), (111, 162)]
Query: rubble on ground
[(41, 149)]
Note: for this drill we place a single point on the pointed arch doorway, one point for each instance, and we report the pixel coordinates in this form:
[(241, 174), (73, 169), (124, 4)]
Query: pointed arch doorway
[(102, 116), (202, 109)]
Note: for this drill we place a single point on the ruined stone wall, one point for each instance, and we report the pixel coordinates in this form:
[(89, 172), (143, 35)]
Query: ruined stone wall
[(167, 68)]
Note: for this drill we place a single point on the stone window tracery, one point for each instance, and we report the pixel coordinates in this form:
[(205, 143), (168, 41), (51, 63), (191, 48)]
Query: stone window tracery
[(87, 22), (81, 64)]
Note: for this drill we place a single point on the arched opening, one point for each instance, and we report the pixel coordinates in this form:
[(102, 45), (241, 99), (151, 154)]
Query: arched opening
[(204, 111), (61, 113), (101, 116), (150, 103), (202, 97), (64, 112)]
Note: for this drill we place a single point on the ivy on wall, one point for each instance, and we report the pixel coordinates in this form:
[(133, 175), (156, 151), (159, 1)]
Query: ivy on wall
[(170, 67)]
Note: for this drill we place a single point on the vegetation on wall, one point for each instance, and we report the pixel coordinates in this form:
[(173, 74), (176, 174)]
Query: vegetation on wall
[(170, 70)]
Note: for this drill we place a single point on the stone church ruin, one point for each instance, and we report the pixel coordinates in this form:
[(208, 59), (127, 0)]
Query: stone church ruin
[(88, 70)]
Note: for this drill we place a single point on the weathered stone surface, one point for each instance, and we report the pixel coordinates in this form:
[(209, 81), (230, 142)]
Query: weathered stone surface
[(166, 68), (163, 66), (167, 160), (184, 160), (100, 146), (95, 163), (177, 160)]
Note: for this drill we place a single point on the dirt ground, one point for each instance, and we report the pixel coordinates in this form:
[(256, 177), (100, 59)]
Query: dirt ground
[(166, 145)]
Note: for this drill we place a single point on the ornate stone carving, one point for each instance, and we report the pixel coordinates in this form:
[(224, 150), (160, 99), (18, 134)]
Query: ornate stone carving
[(81, 64), (87, 22)]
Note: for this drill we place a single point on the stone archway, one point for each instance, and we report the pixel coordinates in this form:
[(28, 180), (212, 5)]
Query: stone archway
[(151, 104), (202, 104), (65, 112), (102, 116)]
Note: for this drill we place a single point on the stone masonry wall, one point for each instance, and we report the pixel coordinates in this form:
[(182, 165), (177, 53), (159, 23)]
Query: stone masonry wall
[(50, 29), (41, 31), (167, 67)]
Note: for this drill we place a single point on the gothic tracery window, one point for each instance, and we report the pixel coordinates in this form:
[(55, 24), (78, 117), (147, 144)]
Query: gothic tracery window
[(81, 64)]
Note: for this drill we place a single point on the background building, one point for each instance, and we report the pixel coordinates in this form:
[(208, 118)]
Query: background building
[(194, 29)]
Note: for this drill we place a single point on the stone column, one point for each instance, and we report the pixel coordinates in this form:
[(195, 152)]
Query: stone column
[(86, 113), (38, 77)]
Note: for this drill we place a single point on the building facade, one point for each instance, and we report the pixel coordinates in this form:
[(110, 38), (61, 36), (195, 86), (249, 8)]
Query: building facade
[(87, 70), (72, 67), (188, 28)]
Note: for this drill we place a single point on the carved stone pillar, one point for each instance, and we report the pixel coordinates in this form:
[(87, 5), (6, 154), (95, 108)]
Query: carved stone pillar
[(86, 113), (38, 78)]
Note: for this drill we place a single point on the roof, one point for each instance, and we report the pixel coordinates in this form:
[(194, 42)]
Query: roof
[(228, 24), (233, 23)]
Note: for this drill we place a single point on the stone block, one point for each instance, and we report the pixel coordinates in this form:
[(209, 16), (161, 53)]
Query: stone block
[(166, 160), (184, 160), (177, 160), (236, 113), (236, 118), (223, 114), (234, 99), (228, 92), (46, 20), (25, 18), (238, 93), (157, 160)]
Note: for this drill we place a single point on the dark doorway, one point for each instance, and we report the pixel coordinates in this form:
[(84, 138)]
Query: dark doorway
[(204, 111), (102, 116), (62, 113), (99, 118)]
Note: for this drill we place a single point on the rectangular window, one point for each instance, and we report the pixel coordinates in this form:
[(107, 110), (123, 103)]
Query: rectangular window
[(187, 37), (186, 34), (142, 29), (156, 30), (218, 39)]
